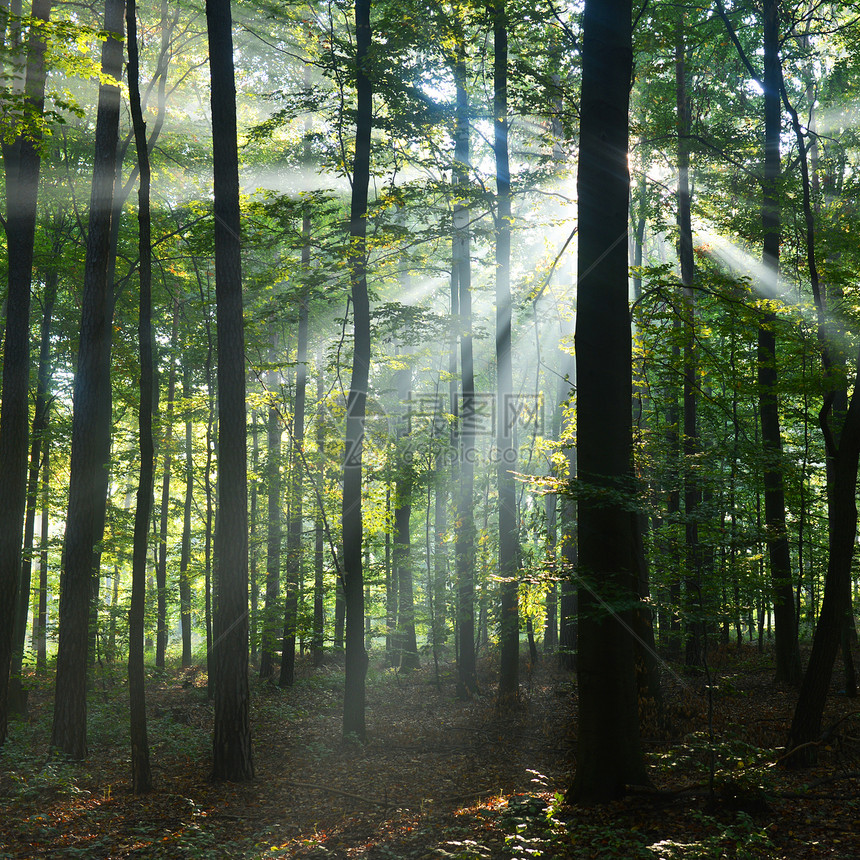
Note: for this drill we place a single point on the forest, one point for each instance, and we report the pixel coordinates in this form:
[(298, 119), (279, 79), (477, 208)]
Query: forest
[(429, 429)]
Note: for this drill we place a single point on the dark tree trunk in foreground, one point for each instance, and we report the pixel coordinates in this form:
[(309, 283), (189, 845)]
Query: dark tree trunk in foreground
[(694, 655), (806, 725), (22, 163), (464, 549), (232, 759), (841, 431), (786, 649), (141, 776), (91, 419), (608, 753), (353, 576), (509, 622)]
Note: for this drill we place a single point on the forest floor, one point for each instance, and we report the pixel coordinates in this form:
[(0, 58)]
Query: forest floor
[(438, 778)]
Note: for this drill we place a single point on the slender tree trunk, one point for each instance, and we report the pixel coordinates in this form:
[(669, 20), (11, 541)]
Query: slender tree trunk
[(91, 418), (40, 623), (141, 775), (568, 598), (271, 610), (185, 557), (319, 532), (464, 553), (253, 541), (353, 580), (440, 560), (609, 757), (161, 567), (211, 420), (294, 527), (38, 450), (407, 644), (392, 645), (232, 759), (509, 624)]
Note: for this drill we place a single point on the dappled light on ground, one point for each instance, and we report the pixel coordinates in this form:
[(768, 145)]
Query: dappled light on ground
[(438, 778)]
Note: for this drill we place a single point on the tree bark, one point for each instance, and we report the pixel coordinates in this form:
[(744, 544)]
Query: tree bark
[(353, 577), (609, 757), (694, 655), (464, 550), (407, 643), (91, 418), (786, 649), (567, 605), (319, 531), (841, 430), (253, 541), (161, 567), (22, 164), (185, 552), (509, 622), (38, 451), (232, 757), (271, 608), (40, 622), (294, 527), (141, 775)]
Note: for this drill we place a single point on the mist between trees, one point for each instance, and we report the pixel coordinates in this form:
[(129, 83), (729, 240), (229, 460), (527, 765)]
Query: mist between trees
[(405, 332)]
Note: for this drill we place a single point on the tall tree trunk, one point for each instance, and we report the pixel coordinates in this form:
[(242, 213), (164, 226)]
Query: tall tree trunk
[(806, 724), (842, 440), (294, 527), (38, 450), (253, 541), (232, 759), (40, 621), (509, 622), (161, 566), (692, 492), (392, 645), (319, 531), (609, 757), (271, 610), (211, 420), (141, 775), (550, 630), (353, 579), (568, 598), (407, 644), (440, 560), (464, 552), (91, 419), (786, 647), (185, 553), (22, 164)]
